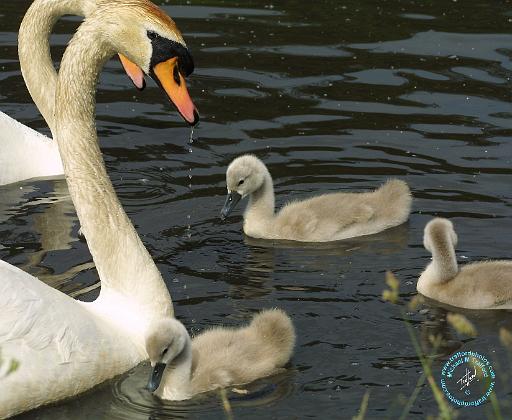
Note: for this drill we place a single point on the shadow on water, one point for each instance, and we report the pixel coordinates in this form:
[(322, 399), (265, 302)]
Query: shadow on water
[(333, 96)]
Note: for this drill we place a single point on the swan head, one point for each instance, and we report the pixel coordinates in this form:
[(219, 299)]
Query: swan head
[(165, 342), (149, 42), (437, 231), (245, 175)]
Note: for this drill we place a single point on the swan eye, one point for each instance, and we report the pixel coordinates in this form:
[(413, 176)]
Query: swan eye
[(152, 35), (176, 75), (241, 182), (164, 352)]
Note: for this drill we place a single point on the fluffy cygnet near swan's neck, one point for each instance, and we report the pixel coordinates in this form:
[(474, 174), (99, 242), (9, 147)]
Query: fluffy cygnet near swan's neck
[(444, 262), (261, 203), (176, 380), (123, 263), (34, 49)]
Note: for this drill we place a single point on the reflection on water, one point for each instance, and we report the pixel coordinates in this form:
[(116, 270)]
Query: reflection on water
[(335, 96), (52, 219), (131, 397)]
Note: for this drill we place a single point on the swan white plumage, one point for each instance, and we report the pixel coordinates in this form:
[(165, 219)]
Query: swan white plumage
[(26, 153), (64, 346), (478, 285), (218, 357), (327, 217)]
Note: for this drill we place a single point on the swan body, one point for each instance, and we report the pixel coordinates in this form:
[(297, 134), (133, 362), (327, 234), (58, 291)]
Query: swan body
[(219, 357), (64, 346), (479, 285), (328, 217), (25, 153)]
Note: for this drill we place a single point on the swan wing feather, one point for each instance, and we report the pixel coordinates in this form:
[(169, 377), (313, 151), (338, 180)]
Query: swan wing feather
[(37, 316)]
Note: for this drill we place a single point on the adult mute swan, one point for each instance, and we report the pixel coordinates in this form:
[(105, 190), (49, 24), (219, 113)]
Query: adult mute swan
[(479, 285), (328, 217), (25, 153), (218, 357), (64, 346)]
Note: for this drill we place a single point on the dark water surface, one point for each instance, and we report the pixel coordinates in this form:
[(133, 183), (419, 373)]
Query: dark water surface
[(333, 96)]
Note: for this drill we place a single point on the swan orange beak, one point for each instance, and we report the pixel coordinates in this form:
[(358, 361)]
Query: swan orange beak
[(134, 72), (168, 76)]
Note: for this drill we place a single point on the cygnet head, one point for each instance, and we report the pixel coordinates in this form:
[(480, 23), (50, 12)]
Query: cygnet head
[(245, 175), (165, 341), (436, 232)]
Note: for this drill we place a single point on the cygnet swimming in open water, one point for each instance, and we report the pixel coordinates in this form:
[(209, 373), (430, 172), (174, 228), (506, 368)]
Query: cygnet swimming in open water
[(327, 217), (479, 285)]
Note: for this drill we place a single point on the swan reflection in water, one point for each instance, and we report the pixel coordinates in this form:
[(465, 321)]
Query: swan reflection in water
[(55, 222)]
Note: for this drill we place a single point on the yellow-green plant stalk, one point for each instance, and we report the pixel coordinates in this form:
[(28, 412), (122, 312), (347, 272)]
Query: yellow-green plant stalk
[(461, 324)]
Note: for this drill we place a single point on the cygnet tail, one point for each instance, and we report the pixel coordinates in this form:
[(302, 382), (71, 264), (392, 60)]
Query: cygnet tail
[(396, 200), (275, 330)]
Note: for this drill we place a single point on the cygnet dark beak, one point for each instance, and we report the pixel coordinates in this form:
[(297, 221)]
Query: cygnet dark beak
[(156, 377), (231, 201)]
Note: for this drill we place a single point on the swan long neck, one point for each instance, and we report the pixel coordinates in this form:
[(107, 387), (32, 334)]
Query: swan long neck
[(34, 49), (261, 202), (444, 261), (178, 374), (123, 263)]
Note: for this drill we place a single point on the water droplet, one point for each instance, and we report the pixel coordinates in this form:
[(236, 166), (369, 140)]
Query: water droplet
[(188, 232)]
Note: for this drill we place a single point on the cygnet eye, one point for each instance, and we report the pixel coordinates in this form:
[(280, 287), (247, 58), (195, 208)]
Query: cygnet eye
[(241, 182), (164, 352)]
